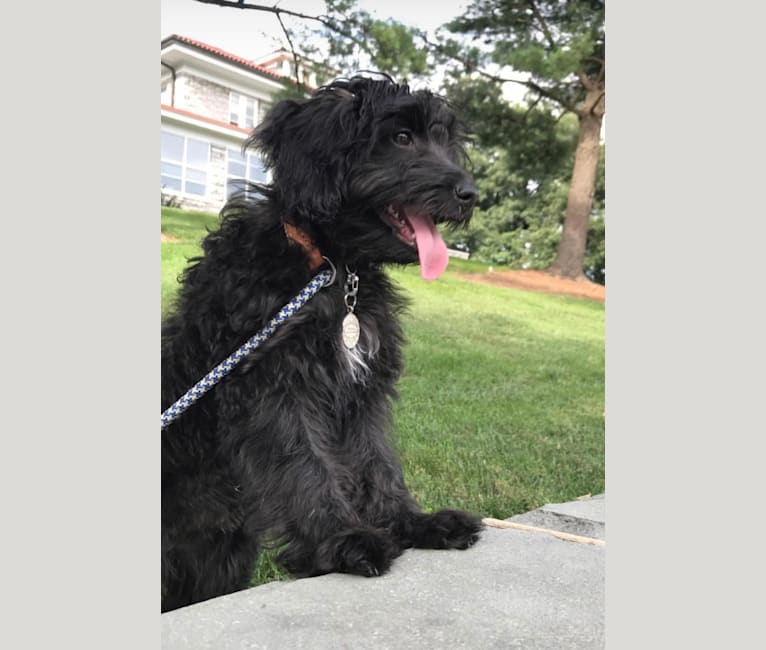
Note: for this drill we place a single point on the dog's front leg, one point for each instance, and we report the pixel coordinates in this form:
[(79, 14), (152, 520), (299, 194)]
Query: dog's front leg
[(389, 504), (443, 529), (326, 535)]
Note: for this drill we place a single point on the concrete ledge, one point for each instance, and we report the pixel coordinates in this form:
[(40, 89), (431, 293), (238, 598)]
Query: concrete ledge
[(586, 517), (514, 589)]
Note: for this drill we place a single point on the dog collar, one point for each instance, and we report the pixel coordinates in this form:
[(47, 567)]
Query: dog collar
[(313, 253), (350, 326)]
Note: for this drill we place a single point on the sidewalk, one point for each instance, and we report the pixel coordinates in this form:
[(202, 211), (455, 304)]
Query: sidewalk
[(517, 588)]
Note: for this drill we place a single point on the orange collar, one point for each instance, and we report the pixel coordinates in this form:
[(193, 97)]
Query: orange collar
[(313, 254)]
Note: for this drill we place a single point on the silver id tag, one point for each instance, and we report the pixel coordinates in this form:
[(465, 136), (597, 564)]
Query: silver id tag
[(350, 330)]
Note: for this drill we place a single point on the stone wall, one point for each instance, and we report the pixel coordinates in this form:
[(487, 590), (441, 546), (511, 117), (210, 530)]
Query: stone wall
[(202, 97)]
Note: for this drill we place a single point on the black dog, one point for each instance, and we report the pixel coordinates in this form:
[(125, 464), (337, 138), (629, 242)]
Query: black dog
[(291, 448)]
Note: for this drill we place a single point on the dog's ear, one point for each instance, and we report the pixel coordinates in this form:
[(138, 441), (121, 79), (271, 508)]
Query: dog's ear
[(308, 147)]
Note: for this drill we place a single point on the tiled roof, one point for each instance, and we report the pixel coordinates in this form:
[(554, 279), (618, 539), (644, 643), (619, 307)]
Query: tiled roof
[(222, 54)]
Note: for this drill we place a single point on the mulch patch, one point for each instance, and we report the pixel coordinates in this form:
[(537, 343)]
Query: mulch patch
[(539, 281)]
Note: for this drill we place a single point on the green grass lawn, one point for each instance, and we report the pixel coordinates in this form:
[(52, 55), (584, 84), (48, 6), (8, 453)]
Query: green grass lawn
[(188, 228), (502, 397)]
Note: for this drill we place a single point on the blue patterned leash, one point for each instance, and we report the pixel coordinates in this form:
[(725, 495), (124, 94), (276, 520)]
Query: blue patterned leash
[(323, 279)]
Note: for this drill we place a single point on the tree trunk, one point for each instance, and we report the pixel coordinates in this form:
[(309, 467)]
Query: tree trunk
[(571, 254)]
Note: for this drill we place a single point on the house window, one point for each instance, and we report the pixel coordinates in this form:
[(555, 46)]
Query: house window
[(242, 110), (183, 164), (241, 170)]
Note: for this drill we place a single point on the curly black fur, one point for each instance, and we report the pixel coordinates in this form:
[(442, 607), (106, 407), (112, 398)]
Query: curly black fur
[(291, 448)]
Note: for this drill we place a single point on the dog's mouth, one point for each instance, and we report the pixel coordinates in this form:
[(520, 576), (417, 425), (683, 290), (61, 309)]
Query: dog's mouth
[(402, 228), (417, 229)]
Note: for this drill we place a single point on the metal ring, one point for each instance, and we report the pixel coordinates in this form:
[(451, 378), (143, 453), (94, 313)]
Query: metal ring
[(334, 272)]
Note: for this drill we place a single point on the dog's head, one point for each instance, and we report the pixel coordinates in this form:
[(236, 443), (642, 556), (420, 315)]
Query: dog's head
[(370, 168)]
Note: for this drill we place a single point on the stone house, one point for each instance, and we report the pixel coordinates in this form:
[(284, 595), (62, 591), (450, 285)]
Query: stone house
[(210, 100)]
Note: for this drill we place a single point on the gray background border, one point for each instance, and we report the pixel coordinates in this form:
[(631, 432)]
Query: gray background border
[(80, 264)]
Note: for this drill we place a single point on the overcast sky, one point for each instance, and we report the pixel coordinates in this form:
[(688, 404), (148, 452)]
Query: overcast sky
[(250, 34)]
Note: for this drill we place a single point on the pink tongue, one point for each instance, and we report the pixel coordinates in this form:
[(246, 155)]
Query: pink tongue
[(431, 247)]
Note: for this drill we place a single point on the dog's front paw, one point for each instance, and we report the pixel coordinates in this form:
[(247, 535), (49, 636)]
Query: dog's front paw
[(447, 529), (360, 552)]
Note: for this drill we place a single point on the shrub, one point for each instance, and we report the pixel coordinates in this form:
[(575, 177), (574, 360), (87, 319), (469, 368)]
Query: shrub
[(169, 200)]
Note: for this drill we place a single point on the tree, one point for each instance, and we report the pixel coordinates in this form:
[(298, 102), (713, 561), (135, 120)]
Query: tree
[(560, 45), (523, 186), (523, 160)]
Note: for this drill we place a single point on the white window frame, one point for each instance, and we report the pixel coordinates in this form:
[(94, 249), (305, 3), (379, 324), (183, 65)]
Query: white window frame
[(243, 110), (189, 172)]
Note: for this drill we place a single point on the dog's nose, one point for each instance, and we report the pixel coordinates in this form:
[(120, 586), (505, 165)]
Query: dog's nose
[(467, 193)]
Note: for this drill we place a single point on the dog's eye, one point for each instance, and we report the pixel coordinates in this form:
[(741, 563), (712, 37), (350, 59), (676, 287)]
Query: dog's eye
[(403, 138)]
